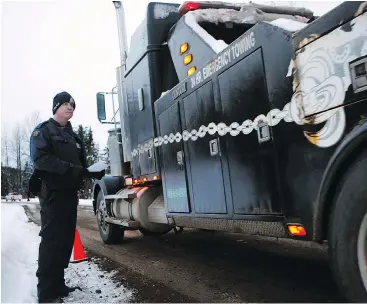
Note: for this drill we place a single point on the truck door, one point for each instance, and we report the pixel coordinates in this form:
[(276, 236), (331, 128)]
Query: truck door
[(174, 170), (251, 164), (205, 170)]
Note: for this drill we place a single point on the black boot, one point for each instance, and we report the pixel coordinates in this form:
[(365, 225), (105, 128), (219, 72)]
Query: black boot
[(56, 299), (65, 290)]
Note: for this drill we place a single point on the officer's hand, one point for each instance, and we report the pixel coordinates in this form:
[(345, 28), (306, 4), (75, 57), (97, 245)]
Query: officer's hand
[(97, 175), (78, 171)]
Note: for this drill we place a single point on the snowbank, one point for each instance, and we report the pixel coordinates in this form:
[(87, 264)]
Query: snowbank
[(19, 253)]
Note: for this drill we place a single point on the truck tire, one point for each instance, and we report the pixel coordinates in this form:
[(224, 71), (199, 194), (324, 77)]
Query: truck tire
[(347, 234), (110, 233)]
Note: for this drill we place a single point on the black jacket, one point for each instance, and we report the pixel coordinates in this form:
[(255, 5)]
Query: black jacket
[(58, 155)]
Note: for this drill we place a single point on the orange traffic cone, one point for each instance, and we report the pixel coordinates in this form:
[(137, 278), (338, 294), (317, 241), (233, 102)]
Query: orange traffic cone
[(78, 254)]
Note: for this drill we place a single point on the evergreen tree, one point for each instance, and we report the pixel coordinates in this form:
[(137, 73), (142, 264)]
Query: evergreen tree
[(91, 151), (9, 180), (92, 148), (26, 175), (4, 182), (80, 132), (105, 157)]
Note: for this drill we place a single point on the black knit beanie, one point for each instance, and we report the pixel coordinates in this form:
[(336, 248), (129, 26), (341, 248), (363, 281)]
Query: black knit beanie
[(60, 99)]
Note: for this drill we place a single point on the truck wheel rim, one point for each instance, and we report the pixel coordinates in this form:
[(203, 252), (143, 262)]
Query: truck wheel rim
[(101, 214), (362, 250)]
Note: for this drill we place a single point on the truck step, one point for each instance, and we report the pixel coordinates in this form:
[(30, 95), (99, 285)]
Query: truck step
[(125, 223), (124, 194), (116, 196)]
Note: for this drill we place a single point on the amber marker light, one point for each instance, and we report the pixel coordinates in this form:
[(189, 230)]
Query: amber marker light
[(183, 48), (296, 230), (187, 59), (191, 71)]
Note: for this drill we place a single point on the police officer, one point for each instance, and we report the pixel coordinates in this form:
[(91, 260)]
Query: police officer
[(59, 159)]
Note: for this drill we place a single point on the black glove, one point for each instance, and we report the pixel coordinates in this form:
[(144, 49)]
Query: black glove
[(96, 175), (34, 185), (78, 172)]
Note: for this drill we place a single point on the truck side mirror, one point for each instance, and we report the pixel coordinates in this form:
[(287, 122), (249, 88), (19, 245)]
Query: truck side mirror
[(101, 107)]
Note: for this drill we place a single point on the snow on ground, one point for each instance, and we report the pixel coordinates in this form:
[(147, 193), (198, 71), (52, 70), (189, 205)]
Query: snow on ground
[(82, 202), (85, 202), (24, 200), (19, 254), (33, 200)]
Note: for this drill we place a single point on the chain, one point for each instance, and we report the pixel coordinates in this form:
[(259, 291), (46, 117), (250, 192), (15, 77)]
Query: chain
[(273, 118)]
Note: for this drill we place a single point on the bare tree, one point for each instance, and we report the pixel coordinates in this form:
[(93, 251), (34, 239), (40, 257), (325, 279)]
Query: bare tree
[(16, 150), (17, 145), (30, 123), (5, 171), (5, 147)]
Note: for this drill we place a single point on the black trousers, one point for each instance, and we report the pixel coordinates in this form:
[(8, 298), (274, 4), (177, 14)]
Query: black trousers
[(58, 223)]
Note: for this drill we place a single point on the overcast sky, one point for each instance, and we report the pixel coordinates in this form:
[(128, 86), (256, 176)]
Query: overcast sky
[(51, 46)]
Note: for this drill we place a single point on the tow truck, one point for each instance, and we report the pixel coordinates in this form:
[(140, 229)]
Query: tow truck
[(244, 118)]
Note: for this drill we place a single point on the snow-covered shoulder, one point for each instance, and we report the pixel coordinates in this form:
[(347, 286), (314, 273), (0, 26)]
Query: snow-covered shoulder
[(19, 254)]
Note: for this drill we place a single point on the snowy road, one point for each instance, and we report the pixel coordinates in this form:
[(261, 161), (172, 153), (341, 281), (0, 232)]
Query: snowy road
[(198, 266)]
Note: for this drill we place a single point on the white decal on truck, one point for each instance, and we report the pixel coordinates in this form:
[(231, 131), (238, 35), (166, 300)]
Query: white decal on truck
[(323, 74), (243, 45), (223, 59)]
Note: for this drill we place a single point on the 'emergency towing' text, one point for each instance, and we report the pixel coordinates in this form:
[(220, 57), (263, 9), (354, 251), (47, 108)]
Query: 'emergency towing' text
[(236, 50)]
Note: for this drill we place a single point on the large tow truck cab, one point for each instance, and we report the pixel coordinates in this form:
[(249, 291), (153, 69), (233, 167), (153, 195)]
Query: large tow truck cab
[(242, 118)]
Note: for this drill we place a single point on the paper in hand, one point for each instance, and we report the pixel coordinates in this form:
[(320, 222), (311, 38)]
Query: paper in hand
[(98, 167)]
